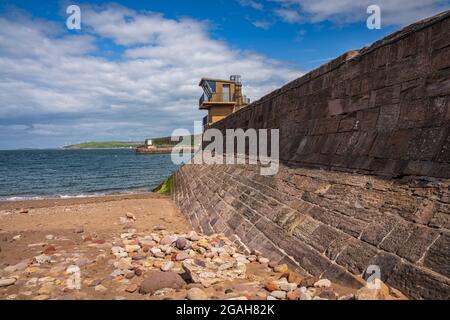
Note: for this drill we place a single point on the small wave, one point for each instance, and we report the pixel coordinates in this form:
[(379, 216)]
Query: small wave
[(21, 198), (73, 196)]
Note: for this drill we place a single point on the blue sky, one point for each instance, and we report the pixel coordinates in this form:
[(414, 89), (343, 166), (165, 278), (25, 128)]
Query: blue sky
[(132, 71)]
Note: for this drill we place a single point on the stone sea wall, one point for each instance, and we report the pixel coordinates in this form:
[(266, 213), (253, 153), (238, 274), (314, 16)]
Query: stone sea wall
[(365, 168)]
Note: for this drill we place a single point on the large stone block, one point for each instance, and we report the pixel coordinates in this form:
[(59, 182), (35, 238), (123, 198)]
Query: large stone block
[(417, 243), (397, 237), (419, 283), (378, 229), (357, 256), (438, 256)]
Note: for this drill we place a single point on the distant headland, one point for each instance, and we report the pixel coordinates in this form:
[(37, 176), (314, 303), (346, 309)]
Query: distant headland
[(104, 145), (154, 145)]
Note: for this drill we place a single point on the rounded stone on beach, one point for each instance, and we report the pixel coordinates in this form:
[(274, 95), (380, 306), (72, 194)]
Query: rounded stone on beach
[(263, 260), (278, 294), (156, 280), (78, 229), (7, 282), (167, 266), (322, 283), (281, 268), (196, 294), (131, 288)]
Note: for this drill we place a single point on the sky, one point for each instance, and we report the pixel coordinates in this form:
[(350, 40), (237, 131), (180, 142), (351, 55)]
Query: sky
[(132, 71)]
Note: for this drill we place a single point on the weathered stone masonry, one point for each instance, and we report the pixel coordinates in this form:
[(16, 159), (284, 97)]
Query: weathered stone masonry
[(365, 151)]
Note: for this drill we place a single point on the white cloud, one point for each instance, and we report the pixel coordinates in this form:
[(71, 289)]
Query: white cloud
[(66, 82), (393, 12), (289, 15)]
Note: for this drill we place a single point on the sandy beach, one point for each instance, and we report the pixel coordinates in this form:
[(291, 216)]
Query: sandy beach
[(71, 227)]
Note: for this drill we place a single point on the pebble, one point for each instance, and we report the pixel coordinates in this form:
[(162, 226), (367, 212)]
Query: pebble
[(168, 265), (308, 282), (79, 229), (49, 250), (46, 289), (323, 283), (72, 269), (349, 296), (328, 294), (132, 248), (156, 280), (272, 286), (168, 240), (288, 286), (10, 269), (182, 256), (293, 295), (155, 250), (256, 253), (119, 252), (263, 260), (305, 296), (131, 288), (22, 265), (100, 288), (80, 262), (124, 264), (130, 216), (42, 259), (278, 294), (281, 268), (7, 282), (193, 236), (49, 237), (15, 238), (181, 243), (196, 294)]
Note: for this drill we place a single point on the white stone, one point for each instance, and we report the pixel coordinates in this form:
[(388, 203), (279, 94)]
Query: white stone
[(263, 260), (278, 294), (155, 250), (7, 282), (288, 286), (132, 248), (323, 283), (305, 296), (100, 288), (168, 265), (42, 259)]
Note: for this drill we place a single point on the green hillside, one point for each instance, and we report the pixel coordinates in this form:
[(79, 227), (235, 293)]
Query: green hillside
[(161, 142)]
